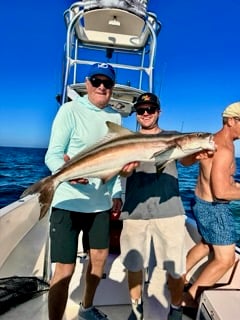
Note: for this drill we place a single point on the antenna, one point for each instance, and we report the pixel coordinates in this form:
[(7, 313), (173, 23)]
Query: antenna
[(182, 124), (162, 78)]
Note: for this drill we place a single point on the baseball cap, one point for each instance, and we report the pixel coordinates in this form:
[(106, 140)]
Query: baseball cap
[(103, 69), (233, 110), (147, 98)]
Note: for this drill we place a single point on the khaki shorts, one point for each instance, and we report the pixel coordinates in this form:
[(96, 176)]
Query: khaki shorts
[(164, 235)]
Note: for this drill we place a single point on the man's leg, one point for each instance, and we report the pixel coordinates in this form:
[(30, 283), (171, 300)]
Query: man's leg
[(97, 232), (223, 259), (135, 280), (64, 242), (135, 283), (135, 243), (196, 254), (168, 239), (58, 293), (98, 241), (175, 286), (94, 274)]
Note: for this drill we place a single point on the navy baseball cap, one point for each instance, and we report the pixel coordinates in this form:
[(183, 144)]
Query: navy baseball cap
[(103, 69), (147, 98)]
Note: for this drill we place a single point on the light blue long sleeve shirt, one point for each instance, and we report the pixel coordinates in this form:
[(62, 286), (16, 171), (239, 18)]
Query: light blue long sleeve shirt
[(78, 125)]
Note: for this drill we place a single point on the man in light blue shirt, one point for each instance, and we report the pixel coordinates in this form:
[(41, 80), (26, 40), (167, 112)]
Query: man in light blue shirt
[(84, 205)]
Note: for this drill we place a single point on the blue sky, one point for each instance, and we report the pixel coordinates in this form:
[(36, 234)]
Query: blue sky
[(198, 65)]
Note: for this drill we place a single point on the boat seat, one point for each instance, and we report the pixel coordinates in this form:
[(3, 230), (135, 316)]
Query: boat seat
[(122, 100)]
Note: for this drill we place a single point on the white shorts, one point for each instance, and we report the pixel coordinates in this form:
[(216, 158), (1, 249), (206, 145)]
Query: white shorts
[(167, 238)]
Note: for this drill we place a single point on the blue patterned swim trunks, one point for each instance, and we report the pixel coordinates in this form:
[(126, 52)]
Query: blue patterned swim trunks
[(215, 222)]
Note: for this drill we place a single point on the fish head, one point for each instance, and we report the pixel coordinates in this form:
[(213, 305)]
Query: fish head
[(183, 145), (196, 141)]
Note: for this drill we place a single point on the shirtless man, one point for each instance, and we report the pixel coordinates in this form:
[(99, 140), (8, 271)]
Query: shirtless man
[(214, 190)]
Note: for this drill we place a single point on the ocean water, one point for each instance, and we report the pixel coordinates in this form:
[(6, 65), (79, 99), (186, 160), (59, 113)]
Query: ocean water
[(20, 167)]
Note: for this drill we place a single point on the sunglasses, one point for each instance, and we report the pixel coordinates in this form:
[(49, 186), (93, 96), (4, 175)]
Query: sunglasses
[(149, 110), (96, 82)]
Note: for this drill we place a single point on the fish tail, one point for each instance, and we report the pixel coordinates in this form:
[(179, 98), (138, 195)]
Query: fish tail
[(45, 188)]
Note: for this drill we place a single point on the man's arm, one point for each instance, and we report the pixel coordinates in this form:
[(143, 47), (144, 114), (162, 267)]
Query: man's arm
[(222, 183), (59, 139), (190, 160)]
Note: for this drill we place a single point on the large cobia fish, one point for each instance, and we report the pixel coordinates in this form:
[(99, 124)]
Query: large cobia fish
[(120, 146)]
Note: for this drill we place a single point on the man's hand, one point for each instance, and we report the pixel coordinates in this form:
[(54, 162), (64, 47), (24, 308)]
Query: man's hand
[(116, 208), (201, 155), (66, 158), (205, 154), (129, 168)]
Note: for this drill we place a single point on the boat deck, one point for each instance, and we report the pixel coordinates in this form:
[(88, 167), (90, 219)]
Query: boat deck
[(111, 296), (37, 309), (29, 258)]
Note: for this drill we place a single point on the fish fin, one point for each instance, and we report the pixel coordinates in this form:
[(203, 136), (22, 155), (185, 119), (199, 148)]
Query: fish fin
[(162, 165), (45, 188), (158, 155), (163, 158), (116, 130), (109, 177), (159, 170)]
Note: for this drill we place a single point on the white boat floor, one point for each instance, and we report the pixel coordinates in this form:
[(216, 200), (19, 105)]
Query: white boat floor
[(112, 294), (36, 309)]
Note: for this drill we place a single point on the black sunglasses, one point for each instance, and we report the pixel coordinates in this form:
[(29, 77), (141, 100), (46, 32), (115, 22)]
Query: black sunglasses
[(149, 110), (96, 82)]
